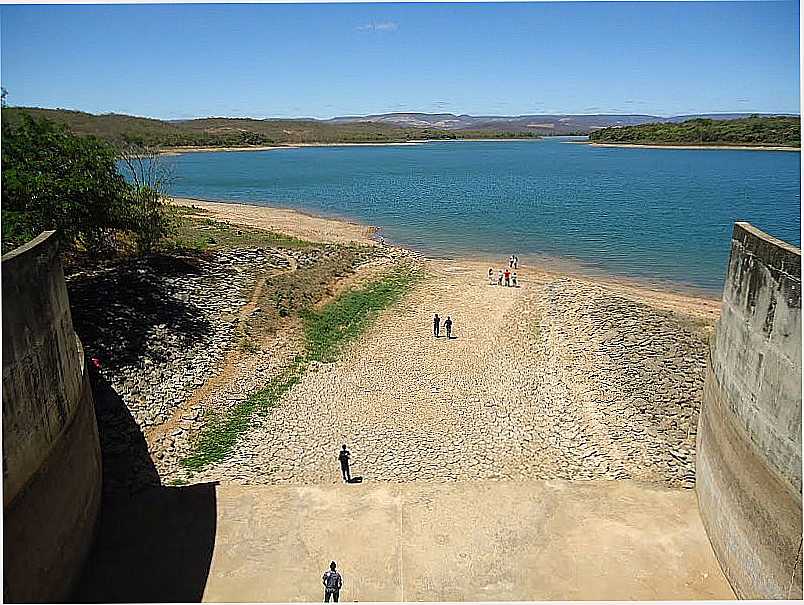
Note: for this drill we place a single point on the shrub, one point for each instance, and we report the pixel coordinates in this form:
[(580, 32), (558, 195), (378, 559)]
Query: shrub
[(53, 179)]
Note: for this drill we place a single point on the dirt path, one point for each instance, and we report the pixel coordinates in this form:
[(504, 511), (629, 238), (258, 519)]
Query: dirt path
[(231, 364), (554, 379)]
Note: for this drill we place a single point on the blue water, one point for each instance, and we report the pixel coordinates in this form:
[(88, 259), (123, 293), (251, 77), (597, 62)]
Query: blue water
[(660, 214)]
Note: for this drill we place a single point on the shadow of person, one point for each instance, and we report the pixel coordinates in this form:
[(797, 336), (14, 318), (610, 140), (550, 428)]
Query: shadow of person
[(153, 543), (355, 480)]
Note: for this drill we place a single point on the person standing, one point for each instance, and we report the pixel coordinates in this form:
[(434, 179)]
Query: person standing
[(332, 583), (513, 279), (448, 326), (436, 325), (500, 278), (491, 276), (344, 457), (507, 277), (516, 261)]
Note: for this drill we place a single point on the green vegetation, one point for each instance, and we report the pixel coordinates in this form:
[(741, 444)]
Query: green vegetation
[(778, 131), (220, 434), (53, 179), (326, 332), (122, 130), (195, 233)]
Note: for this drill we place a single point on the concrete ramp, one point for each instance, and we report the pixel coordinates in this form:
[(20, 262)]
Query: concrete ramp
[(473, 541)]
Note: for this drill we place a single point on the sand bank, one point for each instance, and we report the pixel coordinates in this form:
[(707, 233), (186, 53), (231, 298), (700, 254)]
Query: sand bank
[(181, 150), (287, 221)]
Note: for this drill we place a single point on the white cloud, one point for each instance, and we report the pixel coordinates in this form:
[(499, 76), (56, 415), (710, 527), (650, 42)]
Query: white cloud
[(378, 26)]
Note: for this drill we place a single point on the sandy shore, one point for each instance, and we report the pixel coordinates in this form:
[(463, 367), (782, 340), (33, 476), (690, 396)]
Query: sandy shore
[(329, 230), (287, 221), (181, 150), (734, 147)]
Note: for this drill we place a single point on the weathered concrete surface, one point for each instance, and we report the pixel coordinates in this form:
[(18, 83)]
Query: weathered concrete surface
[(749, 436), (484, 540), (51, 454)]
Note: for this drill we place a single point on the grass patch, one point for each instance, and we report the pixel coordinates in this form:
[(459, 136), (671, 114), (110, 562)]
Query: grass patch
[(218, 438), (346, 317), (326, 331), (289, 294), (200, 234)]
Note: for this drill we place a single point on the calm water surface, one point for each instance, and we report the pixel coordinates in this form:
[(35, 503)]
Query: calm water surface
[(656, 214)]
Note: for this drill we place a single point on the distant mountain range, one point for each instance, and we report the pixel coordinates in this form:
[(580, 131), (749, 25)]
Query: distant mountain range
[(381, 128), (540, 123)]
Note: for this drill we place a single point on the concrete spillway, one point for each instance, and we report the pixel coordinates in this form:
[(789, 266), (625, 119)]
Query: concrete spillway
[(749, 438), (483, 540)]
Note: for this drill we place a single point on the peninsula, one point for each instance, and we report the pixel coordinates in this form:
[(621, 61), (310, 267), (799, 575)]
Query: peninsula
[(766, 132)]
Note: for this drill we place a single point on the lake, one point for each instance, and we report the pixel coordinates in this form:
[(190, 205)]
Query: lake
[(663, 215)]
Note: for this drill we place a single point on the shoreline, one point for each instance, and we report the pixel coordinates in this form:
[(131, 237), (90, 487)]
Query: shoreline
[(182, 150), (305, 225), (171, 151), (657, 146), (288, 221), (174, 151)]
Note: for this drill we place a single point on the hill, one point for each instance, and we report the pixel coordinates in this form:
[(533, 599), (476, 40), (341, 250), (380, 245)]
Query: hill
[(233, 132), (777, 131), (556, 124), (399, 127)]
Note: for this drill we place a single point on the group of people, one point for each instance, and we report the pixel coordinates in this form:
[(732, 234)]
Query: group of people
[(505, 276), (437, 326)]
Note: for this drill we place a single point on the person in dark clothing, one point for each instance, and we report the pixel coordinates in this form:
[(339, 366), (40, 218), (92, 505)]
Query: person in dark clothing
[(436, 325), (448, 326), (344, 460), (332, 583)]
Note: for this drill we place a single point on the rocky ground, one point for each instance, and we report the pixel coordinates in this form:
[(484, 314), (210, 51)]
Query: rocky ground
[(561, 378), (167, 335), (160, 333)]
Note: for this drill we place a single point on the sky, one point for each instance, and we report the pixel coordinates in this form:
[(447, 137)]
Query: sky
[(326, 60)]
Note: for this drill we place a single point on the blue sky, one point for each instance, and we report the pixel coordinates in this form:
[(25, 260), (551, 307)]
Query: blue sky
[(314, 60)]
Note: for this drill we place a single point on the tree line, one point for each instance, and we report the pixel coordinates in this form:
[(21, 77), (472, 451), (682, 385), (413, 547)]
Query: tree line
[(123, 130), (777, 131)]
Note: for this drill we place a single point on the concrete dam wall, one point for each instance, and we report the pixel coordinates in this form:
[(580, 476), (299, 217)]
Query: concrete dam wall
[(51, 452), (748, 475)]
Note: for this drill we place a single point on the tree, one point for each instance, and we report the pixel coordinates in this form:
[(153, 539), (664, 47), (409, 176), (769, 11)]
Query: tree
[(52, 179), (148, 214)]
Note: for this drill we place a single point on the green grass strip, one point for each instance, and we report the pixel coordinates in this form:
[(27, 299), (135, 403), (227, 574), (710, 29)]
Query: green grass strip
[(220, 435), (326, 331)]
